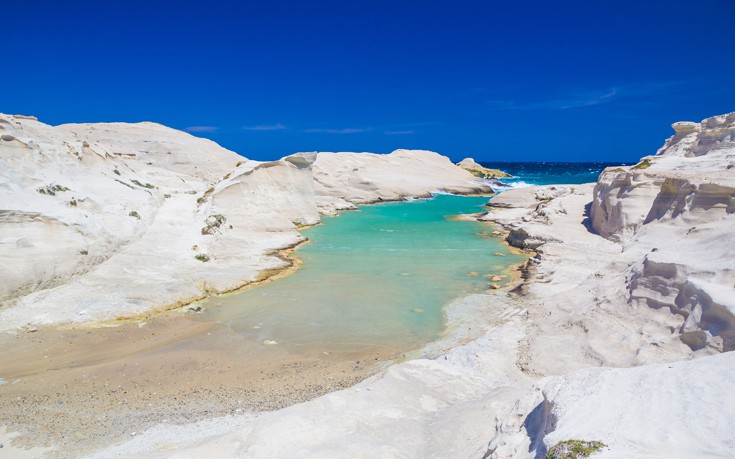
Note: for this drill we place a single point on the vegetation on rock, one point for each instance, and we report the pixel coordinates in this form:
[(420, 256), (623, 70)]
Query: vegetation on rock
[(574, 449), (645, 164), (213, 223), (52, 189), (142, 185)]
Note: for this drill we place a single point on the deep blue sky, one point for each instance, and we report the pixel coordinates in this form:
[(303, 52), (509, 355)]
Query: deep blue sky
[(546, 80)]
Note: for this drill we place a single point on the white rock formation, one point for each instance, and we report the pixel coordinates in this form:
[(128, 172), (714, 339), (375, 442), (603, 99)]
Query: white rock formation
[(532, 377), (101, 221), (664, 290), (679, 207), (345, 179)]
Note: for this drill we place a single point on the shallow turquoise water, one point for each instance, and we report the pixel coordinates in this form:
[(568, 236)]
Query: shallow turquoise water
[(381, 275)]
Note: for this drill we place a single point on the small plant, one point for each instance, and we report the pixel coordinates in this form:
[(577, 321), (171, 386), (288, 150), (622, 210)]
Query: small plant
[(645, 164), (574, 449), (52, 189), (134, 214), (73, 202), (206, 194), (213, 223), (116, 171), (655, 249), (166, 195), (191, 192), (238, 164), (226, 176), (142, 185), (203, 257), (127, 185)]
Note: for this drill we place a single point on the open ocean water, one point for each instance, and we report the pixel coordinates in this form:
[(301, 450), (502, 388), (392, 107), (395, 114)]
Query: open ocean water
[(549, 173)]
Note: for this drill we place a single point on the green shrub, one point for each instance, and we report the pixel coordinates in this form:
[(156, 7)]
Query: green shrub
[(116, 171), (645, 164), (203, 257), (52, 189), (134, 214), (206, 194), (574, 449), (126, 184), (146, 185), (213, 223)]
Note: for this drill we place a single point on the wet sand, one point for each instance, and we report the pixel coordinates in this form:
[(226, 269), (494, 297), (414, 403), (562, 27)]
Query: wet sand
[(84, 388)]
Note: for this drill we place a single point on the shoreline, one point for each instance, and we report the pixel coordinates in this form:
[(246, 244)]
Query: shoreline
[(264, 276), (173, 322)]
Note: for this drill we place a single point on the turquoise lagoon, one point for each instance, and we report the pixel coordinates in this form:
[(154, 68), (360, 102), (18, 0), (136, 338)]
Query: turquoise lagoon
[(379, 276)]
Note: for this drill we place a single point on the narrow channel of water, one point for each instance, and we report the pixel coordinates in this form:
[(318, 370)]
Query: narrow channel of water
[(377, 276)]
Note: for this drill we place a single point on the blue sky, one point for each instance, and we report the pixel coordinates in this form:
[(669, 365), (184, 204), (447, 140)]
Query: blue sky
[(536, 81)]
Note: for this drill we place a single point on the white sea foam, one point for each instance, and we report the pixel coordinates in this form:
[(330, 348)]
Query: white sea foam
[(438, 192), (503, 186)]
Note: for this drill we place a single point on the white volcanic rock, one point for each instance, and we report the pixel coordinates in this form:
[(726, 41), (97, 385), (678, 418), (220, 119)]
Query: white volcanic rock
[(681, 211), (342, 179), (101, 221), (673, 410), (691, 178)]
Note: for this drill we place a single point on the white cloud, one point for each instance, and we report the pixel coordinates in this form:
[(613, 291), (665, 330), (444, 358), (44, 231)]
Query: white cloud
[(201, 128), (575, 100), (340, 131), (265, 127)]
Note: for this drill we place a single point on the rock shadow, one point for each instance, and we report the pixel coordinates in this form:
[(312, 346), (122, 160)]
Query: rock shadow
[(587, 220), (538, 423)]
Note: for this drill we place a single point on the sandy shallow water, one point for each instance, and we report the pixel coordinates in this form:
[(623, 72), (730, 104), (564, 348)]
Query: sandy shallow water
[(85, 388)]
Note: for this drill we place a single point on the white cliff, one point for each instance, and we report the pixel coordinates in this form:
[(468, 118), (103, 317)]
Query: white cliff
[(109, 220), (663, 289)]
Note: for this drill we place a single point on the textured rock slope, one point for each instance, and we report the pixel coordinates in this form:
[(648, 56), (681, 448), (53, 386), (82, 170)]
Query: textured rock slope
[(679, 206), (660, 288), (101, 221)]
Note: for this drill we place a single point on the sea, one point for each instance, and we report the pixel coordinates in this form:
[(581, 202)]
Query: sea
[(548, 173), (382, 275)]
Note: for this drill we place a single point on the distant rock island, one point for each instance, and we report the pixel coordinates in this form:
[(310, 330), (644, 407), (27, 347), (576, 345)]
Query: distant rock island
[(481, 171)]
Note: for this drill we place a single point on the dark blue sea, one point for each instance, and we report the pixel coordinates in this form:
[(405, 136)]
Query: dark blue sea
[(548, 173)]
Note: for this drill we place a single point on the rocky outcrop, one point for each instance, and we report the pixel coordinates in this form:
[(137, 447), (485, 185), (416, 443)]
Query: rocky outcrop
[(101, 221), (481, 171), (672, 281), (343, 180), (665, 410), (690, 179), (679, 207)]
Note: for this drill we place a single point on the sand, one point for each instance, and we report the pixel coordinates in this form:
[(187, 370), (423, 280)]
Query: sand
[(79, 390)]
